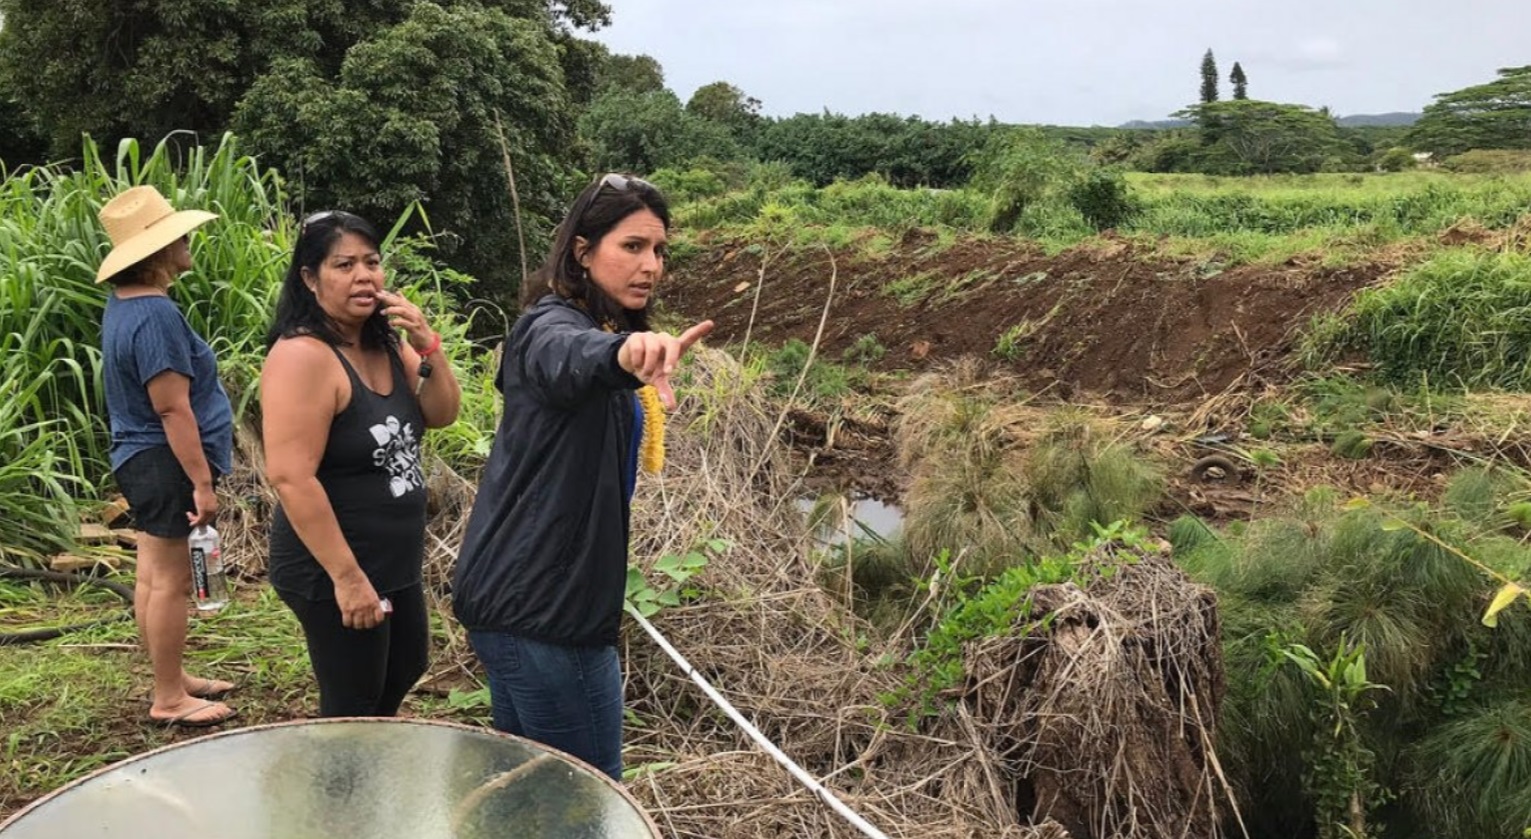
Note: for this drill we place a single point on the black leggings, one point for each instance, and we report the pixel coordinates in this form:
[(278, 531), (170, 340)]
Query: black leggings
[(365, 672)]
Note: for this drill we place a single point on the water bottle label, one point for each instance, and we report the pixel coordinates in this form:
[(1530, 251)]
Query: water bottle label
[(199, 573)]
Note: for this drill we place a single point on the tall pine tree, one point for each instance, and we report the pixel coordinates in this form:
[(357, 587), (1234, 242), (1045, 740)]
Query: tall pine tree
[(1240, 82), (1208, 78)]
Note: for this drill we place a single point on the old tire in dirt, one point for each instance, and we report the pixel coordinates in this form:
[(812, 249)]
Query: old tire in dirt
[(1215, 469)]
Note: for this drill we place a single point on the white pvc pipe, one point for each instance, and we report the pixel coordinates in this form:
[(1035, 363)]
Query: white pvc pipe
[(760, 739)]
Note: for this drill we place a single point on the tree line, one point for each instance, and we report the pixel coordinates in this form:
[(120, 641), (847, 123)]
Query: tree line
[(377, 105)]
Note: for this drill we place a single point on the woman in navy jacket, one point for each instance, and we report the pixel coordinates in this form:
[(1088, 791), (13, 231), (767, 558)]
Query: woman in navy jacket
[(540, 579)]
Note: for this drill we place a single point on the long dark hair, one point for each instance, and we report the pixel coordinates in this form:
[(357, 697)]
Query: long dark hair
[(297, 308), (600, 207)]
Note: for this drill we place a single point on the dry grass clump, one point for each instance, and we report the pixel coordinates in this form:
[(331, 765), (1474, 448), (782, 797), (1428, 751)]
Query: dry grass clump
[(1002, 480), (1107, 709)]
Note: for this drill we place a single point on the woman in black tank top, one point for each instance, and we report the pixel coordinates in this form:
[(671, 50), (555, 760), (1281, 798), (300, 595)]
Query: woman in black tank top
[(344, 405)]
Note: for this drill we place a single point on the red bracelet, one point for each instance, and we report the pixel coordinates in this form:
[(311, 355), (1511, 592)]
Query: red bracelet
[(435, 345)]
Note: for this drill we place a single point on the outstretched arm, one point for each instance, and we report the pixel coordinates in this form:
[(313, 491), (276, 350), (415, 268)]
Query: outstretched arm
[(653, 356)]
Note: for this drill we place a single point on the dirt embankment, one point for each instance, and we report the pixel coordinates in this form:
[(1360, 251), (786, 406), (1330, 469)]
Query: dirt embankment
[(1106, 320)]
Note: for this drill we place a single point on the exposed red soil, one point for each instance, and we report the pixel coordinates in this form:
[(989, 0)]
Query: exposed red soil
[(1103, 321), (1112, 324)]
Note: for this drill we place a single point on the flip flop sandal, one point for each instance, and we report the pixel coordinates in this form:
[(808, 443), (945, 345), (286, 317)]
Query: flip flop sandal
[(211, 689), (187, 719)]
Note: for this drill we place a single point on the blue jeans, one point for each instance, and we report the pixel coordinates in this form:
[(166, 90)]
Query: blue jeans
[(569, 698)]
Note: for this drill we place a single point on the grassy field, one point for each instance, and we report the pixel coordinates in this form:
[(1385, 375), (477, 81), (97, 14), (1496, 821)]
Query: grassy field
[(1260, 220)]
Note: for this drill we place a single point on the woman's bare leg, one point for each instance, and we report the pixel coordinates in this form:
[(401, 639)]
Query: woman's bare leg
[(159, 601)]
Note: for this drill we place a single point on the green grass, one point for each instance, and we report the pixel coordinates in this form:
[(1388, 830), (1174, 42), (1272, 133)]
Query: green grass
[(1261, 220), (913, 289), (1461, 319)]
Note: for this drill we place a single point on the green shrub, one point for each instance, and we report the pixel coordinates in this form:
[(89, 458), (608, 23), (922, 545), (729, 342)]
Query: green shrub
[(823, 381), (865, 350), (1387, 582), (1019, 169), (1480, 495), (681, 185), (1189, 533), (1396, 159), (1102, 196), (1080, 478), (1352, 445), (1469, 777)]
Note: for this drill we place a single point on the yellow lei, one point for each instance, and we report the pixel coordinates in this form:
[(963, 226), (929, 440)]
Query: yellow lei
[(651, 446)]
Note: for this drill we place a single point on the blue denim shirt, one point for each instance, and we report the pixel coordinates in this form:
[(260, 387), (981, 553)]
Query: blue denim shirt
[(142, 337)]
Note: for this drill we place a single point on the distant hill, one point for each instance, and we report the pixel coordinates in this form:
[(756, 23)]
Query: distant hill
[(1389, 119), (1156, 124)]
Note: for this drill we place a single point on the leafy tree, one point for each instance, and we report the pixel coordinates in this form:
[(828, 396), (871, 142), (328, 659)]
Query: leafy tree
[(1240, 82), (1496, 115), (907, 151), (369, 105), (1020, 168), (411, 115), (20, 141), (1208, 78), (630, 73), (144, 68), (1248, 136), (583, 63), (1178, 150), (581, 14), (641, 132), (1120, 147), (728, 106)]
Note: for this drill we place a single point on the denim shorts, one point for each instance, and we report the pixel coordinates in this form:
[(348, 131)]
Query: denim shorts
[(158, 492)]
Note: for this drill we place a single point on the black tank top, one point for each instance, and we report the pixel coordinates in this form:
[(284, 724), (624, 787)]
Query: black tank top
[(371, 473)]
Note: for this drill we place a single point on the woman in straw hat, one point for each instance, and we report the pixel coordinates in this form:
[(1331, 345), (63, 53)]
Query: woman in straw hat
[(172, 433), (344, 406)]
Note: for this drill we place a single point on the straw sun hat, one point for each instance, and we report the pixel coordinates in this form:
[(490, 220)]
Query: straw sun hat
[(140, 222)]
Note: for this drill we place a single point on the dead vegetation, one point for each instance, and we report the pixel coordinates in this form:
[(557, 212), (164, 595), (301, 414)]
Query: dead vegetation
[(1108, 713), (812, 677)]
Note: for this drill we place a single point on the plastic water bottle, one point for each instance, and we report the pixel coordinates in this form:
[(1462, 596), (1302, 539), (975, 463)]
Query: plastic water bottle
[(209, 582)]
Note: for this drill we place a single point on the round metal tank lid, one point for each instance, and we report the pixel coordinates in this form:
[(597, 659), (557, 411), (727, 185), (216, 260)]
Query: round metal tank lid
[(321, 779)]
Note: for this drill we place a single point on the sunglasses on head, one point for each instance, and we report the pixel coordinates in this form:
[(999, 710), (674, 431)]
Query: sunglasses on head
[(622, 183), (322, 215)]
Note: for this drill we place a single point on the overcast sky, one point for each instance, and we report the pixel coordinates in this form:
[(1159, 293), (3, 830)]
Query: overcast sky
[(1071, 62)]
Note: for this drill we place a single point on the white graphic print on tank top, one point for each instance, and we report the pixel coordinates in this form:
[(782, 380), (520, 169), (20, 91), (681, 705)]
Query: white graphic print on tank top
[(398, 452)]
